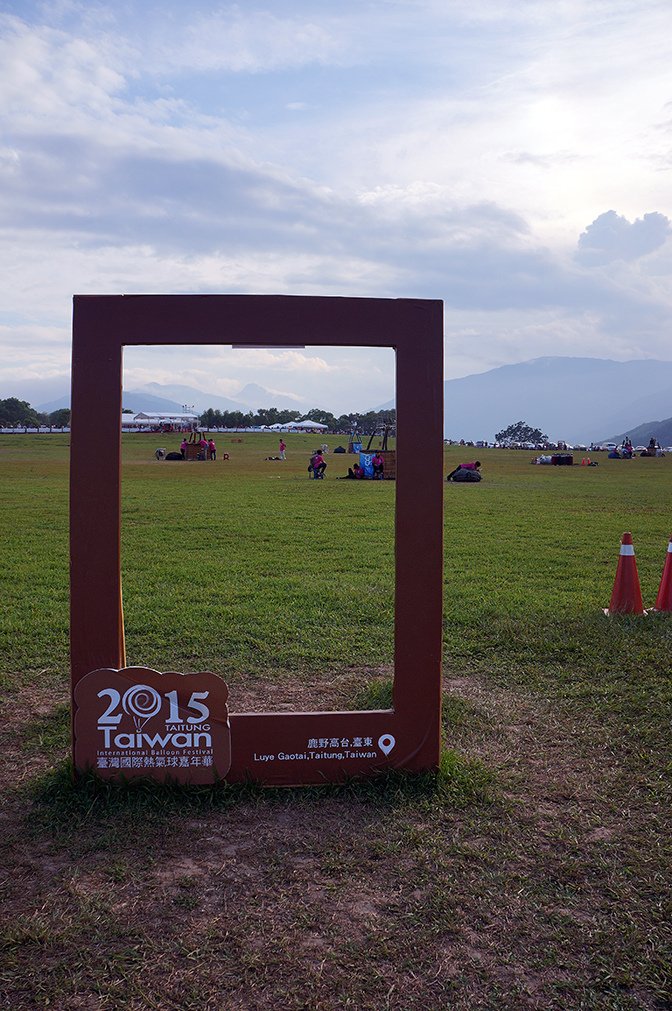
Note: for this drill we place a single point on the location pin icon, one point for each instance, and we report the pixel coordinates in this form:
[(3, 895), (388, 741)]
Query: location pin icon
[(386, 742)]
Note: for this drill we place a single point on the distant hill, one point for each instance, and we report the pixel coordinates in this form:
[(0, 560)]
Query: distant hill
[(172, 397), (54, 405), (190, 396), (660, 430), (575, 399), (256, 396), (134, 400), (38, 391), (138, 400), (251, 397)]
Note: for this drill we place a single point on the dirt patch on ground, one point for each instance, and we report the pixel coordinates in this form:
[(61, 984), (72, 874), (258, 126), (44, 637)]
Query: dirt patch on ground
[(553, 895), (330, 690), (27, 719)]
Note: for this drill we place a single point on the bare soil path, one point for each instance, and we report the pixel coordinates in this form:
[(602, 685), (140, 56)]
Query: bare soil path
[(553, 894)]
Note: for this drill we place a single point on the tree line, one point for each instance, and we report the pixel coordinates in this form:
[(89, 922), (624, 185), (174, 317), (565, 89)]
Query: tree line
[(364, 423), (16, 413)]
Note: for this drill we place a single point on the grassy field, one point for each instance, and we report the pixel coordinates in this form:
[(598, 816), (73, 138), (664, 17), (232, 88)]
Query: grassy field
[(534, 873)]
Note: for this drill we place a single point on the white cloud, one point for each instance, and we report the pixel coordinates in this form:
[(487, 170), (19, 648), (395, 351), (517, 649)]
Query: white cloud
[(284, 361), (613, 237), (24, 338), (162, 364), (231, 39), (443, 150), (47, 73)]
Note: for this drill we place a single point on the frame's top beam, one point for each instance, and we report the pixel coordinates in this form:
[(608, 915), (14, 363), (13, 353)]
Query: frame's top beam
[(273, 320)]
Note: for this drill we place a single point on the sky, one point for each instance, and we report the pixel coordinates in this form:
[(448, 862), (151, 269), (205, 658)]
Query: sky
[(510, 157)]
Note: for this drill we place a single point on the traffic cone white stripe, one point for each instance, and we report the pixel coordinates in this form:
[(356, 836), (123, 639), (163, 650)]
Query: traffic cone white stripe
[(626, 597)]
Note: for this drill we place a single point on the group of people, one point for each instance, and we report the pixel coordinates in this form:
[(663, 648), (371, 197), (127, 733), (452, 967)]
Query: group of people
[(207, 450), (626, 452), (358, 473), (653, 449)]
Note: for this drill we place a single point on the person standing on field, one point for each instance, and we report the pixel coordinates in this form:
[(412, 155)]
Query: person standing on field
[(283, 447)]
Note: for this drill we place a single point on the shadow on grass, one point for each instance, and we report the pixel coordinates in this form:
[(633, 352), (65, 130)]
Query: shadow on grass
[(62, 805)]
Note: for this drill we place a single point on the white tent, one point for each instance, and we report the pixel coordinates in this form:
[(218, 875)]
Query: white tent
[(156, 417), (312, 425)]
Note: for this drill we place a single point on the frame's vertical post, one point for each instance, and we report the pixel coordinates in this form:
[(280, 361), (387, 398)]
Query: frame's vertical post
[(419, 532), (96, 627)]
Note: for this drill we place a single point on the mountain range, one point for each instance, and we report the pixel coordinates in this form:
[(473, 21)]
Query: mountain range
[(570, 398), (574, 399), (639, 436), (174, 397), (251, 397)]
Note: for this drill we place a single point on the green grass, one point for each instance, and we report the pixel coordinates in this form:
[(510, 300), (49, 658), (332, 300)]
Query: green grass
[(531, 872), (248, 568), (64, 807)]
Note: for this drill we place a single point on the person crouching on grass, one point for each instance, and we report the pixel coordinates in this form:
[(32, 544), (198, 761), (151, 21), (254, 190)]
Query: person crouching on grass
[(474, 465), (317, 465)]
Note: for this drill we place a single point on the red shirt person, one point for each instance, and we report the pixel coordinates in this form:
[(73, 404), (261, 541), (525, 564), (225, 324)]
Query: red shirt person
[(318, 464), (473, 465)]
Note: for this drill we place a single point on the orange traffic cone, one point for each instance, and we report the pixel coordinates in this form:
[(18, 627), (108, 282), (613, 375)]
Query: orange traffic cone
[(664, 598), (626, 597)]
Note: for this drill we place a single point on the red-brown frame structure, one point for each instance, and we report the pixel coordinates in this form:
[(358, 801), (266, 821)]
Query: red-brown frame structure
[(102, 326)]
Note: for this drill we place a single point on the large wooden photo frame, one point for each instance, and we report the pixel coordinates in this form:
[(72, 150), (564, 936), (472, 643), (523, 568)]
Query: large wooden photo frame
[(274, 748)]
